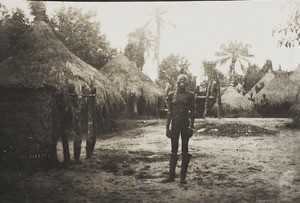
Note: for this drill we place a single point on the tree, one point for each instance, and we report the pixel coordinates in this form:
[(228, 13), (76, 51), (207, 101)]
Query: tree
[(140, 42), (4, 32), (12, 27), (38, 10), (135, 54), (160, 23), (290, 32), (234, 52), (169, 70), (82, 36), (252, 76)]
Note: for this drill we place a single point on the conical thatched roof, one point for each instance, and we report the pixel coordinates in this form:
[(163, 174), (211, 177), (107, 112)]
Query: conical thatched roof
[(232, 101), (295, 77), (264, 80), (279, 90), (41, 59), (128, 79)]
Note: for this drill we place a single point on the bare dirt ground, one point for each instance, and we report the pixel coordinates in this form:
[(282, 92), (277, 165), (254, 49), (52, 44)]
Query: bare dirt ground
[(234, 160)]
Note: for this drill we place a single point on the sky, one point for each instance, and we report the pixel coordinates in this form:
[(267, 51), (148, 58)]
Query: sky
[(201, 27)]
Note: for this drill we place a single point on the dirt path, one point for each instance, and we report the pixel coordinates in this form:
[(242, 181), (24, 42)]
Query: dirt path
[(128, 167)]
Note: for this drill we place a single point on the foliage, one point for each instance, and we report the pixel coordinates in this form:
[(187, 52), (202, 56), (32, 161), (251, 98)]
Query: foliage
[(268, 65), (82, 36), (290, 32), (169, 70), (140, 42), (234, 52), (252, 76), (38, 10), (12, 26), (135, 54), (210, 69), (211, 72)]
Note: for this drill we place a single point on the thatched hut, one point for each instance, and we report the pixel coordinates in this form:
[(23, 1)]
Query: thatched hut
[(280, 94), (34, 81), (295, 77), (142, 95), (295, 110), (235, 104), (260, 84)]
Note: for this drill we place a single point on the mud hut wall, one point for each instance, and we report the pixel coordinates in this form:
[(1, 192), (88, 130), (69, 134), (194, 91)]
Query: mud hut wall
[(26, 127)]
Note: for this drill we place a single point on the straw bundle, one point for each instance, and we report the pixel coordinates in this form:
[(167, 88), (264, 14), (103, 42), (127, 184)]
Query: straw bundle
[(235, 103), (280, 90), (262, 82), (129, 80), (41, 59)]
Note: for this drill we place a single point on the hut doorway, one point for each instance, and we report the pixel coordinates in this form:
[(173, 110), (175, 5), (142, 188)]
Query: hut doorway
[(132, 106)]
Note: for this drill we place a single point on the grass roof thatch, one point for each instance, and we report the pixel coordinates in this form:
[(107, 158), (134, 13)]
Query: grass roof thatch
[(295, 77), (234, 102), (280, 90), (41, 59), (264, 80), (128, 79)]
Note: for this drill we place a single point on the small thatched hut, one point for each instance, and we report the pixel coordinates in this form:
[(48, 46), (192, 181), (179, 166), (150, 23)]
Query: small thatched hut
[(235, 104), (34, 81), (260, 84), (280, 94), (142, 95)]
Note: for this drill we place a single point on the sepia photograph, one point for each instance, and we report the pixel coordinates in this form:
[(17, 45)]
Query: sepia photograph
[(150, 101)]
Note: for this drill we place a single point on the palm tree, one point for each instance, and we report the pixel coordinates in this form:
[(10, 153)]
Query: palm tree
[(143, 38), (234, 51), (140, 42), (160, 23)]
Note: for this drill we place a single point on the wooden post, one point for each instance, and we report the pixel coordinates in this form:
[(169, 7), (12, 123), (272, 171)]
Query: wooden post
[(219, 97), (91, 139), (208, 87)]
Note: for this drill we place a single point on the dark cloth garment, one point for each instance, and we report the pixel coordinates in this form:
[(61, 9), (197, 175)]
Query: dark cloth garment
[(176, 131), (181, 107)]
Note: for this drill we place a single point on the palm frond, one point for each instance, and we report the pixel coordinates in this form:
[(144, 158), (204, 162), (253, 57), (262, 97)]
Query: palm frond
[(242, 67), (222, 61), (245, 59), (222, 54), (147, 24), (171, 23)]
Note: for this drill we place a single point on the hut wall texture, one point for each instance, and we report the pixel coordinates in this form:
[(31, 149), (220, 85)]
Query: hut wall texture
[(26, 127)]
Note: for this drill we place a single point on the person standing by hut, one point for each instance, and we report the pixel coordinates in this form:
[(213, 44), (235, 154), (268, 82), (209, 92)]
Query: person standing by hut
[(73, 116), (91, 138), (181, 104)]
